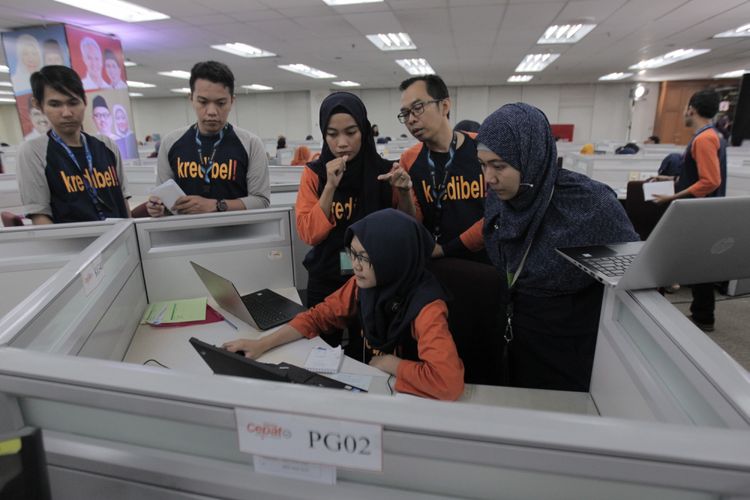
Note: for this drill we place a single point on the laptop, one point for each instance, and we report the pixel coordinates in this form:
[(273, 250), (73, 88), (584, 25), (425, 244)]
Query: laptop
[(700, 240), (263, 309), (223, 362)]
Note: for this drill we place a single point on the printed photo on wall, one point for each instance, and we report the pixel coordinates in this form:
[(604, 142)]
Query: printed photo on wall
[(108, 114), (28, 49)]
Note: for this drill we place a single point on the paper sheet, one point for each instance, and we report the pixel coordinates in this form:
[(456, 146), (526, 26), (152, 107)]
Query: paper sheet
[(661, 187), (169, 191), (176, 311)]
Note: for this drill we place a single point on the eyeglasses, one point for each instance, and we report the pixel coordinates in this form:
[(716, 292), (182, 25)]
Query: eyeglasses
[(416, 110), (102, 115), (363, 259)]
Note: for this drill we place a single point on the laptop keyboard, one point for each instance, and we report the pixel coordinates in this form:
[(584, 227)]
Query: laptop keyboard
[(611, 266), (261, 314)]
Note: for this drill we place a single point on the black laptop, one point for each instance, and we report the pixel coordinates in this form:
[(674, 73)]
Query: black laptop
[(263, 309), (223, 362)]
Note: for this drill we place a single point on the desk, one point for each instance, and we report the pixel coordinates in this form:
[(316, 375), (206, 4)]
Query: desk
[(171, 347)]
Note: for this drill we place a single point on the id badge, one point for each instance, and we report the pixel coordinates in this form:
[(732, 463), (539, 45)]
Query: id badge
[(345, 264)]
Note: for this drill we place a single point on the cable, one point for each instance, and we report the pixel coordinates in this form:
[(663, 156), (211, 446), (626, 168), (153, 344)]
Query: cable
[(388, 382), (153, 360)]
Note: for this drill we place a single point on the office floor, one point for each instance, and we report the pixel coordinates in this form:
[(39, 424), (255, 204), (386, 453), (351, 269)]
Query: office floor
[(732, 331)]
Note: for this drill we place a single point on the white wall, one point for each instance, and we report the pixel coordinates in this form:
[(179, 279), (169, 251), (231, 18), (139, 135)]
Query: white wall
[(598, 111)]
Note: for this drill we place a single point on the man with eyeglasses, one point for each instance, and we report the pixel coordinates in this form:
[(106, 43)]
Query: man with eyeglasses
[(444, 170)]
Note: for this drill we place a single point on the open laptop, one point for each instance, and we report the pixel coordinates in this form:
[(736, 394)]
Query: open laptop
[(223, 362), (701, 240), (263, 309)]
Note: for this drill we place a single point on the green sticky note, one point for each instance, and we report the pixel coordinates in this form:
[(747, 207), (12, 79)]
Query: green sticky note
[(10, 447), (176, 311)]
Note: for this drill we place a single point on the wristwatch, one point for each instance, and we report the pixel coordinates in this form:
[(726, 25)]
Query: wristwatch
[(221, 206)]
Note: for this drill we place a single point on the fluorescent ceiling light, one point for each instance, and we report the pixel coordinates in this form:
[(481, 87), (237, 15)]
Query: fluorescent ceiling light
[(176, 73), (129, 64), (346, 83), (140, 85), (565, 33), (118, 9), (520, 78), (536, 62), (416, 66), (243, 50), (668, 58), (7, 99), (4, 69), (392, 41), (306, 70), (743, 30), (183, 90), (615, 76), (6, 84), (135, 94), (732, 74), (348, 2), (6, 92), (257, 86)]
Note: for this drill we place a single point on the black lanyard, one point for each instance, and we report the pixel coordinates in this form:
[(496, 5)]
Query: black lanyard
[(206, 167), (88, 180), (438, 191)]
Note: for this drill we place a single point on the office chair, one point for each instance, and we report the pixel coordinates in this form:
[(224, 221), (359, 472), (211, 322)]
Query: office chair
[(643, 214), (10, 219)]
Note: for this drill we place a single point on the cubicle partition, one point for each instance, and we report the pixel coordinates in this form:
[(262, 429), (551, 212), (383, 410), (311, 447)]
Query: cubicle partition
[(10, 198)]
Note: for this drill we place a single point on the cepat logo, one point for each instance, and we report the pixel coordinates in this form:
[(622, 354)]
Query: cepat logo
[(722, 246), (268, 430)]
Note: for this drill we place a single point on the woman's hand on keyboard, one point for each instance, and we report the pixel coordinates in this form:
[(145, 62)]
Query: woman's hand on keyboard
[(253, 348)]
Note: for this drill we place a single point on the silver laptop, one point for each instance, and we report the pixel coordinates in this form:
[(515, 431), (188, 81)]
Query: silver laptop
[(701, 240), (263, 309)]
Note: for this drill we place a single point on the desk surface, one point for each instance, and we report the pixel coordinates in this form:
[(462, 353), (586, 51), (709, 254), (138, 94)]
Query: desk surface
[(170, 347)]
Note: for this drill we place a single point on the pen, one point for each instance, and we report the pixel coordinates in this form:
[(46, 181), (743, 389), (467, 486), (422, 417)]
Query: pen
[(231, 324)]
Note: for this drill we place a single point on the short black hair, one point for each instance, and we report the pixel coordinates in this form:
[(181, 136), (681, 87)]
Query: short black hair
[(655, 139), (435, 85), (213, 71), (99, 102), (108, 54), (705, 103), (61, 78)]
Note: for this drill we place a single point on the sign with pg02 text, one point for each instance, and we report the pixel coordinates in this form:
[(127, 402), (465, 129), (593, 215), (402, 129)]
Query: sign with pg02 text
[(352, 445)]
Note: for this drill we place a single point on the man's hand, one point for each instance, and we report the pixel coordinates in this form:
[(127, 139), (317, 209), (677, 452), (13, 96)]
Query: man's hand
[(398, 177), (253, 348), (663, 198), (194, 204), (335, 170), (155, 207), (658, 178)]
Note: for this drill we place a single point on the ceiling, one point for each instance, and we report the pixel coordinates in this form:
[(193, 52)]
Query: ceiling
[(467, 42)]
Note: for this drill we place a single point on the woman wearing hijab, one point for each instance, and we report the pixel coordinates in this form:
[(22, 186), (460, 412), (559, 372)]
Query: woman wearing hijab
[(301, 156), (533, 207), (336, 190), (399, 304), (125, 140)]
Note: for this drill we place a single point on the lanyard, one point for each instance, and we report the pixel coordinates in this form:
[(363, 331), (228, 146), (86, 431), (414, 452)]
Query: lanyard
[(206, 167), (438, 191), (91, 190)]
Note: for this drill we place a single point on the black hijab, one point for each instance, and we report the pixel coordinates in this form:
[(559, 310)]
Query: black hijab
[(362, 170), (399, 248)]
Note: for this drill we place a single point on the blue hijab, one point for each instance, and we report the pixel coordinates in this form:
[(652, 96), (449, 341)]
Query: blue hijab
[(399, 248), (554, 207)]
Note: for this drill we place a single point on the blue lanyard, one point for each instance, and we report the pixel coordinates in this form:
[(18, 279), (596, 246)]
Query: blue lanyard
[(90, 188), (438, 191), (206, 167)]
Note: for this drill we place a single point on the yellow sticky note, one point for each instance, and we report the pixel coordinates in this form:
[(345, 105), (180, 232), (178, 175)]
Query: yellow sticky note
[(10, 447)]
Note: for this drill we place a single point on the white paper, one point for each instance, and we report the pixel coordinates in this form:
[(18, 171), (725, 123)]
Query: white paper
[(652, 188), (324, 359), (168, 192), (92, 275), (317, 473), (361, 381)]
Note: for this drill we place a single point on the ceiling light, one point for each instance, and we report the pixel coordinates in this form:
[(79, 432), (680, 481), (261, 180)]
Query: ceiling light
[(520, 78), (669, 58), (732, 74), (306, 70), (7, 99), (743, 30), (4, 69), (6, 84), (615, 76), (183, 90), (536, 62), (129, 63), (346, 83), (135, 94), (565, 33), (243, 50), (6, 92), (257, 86), (348, 2), (140, 85), (118, 9), (392, 41), (639, 92), (416, 66), (176, 73)]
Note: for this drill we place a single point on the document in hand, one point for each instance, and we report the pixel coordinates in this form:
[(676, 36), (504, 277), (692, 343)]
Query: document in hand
[(168, 192), (652, 188)]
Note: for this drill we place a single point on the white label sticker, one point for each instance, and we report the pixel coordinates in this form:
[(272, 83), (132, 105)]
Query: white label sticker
[(352, 445), (317, 473), (275, 254), (92, 275)]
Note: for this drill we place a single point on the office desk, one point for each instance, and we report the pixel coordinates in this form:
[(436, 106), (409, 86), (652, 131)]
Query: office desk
[(171, 347)]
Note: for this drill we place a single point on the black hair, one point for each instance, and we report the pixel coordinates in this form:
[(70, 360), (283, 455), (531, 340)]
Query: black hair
[(281, 142), (108, 54), (470, 126), (705, 103), (213, 71), (61, 78), (99, 102), (655, 139), (435, 85)]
